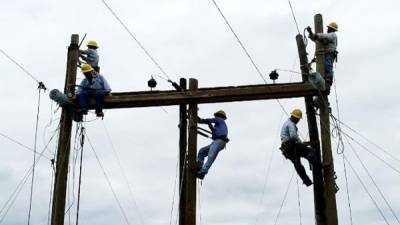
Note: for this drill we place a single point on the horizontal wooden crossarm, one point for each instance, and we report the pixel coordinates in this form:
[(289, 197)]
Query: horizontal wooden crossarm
[(208, 95)]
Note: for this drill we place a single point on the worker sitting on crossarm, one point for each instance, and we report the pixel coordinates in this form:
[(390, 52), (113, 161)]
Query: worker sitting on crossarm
[(220, 138), (292, 147), (90, 55), (329, 41), (93, 85)]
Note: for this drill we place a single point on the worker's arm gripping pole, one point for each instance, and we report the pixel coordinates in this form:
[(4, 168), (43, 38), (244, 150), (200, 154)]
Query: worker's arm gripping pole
[(64, 141), (319, 201), (327, 159), (190, 172)]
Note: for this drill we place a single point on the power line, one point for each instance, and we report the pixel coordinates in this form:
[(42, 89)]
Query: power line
[(284, 199), (374, 182), (347, 190), (134, 38), (23, 145), (108, 181), (34, 158), (294, 17), (239, 41), (22, 68), (366, 190), (298, 198), (123, 172)]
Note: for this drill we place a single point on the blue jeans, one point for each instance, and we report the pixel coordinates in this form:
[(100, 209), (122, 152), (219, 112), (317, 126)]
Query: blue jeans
[(211, 151), (97, 95), (329, 60)]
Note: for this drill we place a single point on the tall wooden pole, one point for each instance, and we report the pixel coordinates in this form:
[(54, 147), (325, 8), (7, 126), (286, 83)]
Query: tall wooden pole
[(327, 159), (191, 167), (64, 141), (319, 201), (182, 154)]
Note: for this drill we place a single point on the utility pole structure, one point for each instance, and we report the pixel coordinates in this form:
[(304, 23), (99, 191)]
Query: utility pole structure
[(182, 154), (330, 188), (319, 200), (324, 184), (64, 142)]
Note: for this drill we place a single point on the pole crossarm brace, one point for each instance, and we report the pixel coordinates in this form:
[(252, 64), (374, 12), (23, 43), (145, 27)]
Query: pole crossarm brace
[(208, 95)]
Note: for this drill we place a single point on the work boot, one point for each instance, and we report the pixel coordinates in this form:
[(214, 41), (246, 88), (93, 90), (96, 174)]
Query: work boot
[(307, 182), (200, 175), (82, 111), (99, 113)]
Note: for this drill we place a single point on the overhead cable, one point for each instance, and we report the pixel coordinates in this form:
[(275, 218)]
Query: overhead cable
[(134, 38), (22, 68)]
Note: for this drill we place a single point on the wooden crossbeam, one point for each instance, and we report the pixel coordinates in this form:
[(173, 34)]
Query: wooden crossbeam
[(208, 95)]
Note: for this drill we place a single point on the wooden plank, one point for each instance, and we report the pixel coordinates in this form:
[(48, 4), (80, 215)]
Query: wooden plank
[(208, 95)]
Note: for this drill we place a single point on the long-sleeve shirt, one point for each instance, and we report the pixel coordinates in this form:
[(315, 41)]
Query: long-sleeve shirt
[(92, 57), (289, 132), (220, 129), (329, 40), (98, 83)]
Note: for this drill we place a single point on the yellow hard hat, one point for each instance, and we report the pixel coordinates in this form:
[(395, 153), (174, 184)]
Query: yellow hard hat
[(92, 43), (333, 25), (297, 114), (221, 114), (86, 68)]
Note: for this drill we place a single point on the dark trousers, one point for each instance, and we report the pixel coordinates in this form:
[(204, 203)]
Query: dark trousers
[(294, 151), (98, 97)]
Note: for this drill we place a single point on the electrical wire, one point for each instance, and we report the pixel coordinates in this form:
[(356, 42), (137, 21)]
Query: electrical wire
[(347, 190), (23, 145), (11, 200), (130, 189), (284, 199), (366, 190), (108, 181), (374, 182), (34, 159), (294, 17), (134, 38), (298, 199)]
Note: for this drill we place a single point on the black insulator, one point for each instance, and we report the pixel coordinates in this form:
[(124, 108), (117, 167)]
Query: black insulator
[(152, 83), (273, 75)]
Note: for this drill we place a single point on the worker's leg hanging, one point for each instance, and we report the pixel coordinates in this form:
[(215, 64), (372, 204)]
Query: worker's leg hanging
[(203, 153), (215, 147), (299, 167)]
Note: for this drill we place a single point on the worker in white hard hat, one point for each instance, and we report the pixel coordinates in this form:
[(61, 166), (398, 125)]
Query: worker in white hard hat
[(293, 148), (90, 55), (219, 132), (329, 40)]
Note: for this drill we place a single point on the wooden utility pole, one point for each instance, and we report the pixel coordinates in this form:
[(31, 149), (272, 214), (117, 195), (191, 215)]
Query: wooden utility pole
[(327, 159), (191, 166), (319, 201), (63, 151), (182, 154)]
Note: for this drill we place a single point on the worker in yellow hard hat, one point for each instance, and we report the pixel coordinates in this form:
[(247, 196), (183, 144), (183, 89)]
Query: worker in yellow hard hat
[(219, 132), (293, 148), (94, 86), (90, 55), (329, 40)]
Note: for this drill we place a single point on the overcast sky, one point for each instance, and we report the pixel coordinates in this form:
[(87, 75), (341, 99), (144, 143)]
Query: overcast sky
[(190, 39)]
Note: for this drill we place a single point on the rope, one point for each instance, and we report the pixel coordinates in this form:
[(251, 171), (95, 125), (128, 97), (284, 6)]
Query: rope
[(130, 189), (34, 157), (108, 181), (374, 182), (284, 199), (294, 17), (134, 38), (181, 182), (53, 171), (366, 190), (199, 185)]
